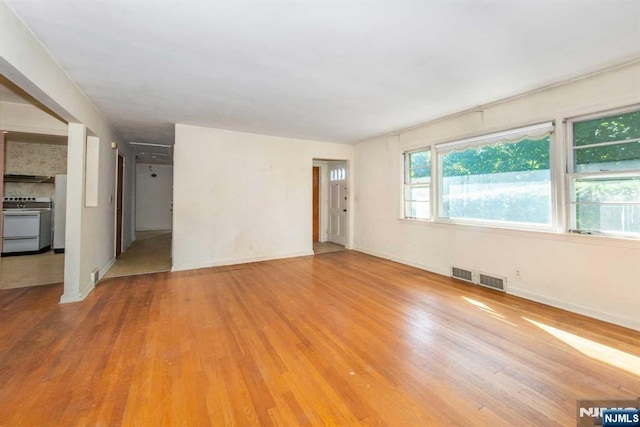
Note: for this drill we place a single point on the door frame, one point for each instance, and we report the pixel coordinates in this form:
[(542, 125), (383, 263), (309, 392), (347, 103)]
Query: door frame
[(344, 218), (323, 198), (316, 205), (325, 164), (119, 208)]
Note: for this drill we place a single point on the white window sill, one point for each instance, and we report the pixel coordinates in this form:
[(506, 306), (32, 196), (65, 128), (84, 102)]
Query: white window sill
[(592, 239)]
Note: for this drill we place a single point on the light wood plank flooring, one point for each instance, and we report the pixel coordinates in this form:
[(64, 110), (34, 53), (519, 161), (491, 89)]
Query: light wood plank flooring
[(334, 339), (149, 253), (326, 247), (31, 270)]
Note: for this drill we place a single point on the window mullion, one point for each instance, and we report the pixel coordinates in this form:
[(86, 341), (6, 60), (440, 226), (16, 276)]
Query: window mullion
[(605, 144)]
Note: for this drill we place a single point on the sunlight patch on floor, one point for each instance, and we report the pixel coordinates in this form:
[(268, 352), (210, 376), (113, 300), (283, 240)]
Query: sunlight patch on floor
[(490, 311), (484, 307), (601, 352)]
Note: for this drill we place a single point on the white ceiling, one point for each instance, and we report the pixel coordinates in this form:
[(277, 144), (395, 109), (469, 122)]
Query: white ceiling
[(328, 70)]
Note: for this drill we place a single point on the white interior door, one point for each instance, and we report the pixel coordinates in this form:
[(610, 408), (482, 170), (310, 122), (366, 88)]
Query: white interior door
[(338, 203)]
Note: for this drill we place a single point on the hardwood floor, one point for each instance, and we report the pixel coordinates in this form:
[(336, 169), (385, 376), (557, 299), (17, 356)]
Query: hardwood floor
[(334, 339)]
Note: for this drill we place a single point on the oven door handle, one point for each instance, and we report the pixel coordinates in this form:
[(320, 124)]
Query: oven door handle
[(20, 237)]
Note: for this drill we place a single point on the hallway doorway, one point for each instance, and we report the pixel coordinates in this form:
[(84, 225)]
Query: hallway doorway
[(330, 205), (150, 252)]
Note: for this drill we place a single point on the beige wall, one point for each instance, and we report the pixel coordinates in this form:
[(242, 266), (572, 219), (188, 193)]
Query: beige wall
[(241, 197), (591, 275)]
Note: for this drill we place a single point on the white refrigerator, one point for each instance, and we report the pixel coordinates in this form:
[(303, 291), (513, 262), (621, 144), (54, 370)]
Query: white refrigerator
[(59, 213)]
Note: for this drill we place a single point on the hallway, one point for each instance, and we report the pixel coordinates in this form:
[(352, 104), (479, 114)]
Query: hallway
[(150, 253)]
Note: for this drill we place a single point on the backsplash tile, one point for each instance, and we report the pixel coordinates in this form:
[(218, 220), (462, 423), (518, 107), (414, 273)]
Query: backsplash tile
[(25, 158)]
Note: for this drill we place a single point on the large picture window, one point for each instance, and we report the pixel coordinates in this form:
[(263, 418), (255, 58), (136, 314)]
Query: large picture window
[(605, 174), (502, 178), (417, 184)]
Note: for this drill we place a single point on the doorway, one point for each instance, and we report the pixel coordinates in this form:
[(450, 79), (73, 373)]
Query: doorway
[(33, 167), (150, 250), (330, 205), (338, 204)]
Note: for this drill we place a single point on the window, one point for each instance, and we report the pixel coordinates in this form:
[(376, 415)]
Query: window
[(417, 184), (502, 178), (338, 174), (604, 175)]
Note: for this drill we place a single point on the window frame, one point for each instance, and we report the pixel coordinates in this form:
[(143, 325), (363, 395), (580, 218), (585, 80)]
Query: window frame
[(487, 140), (406, 172), (571, 175)]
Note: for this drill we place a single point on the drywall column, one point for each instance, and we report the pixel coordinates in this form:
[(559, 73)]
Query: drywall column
[(75, 192)]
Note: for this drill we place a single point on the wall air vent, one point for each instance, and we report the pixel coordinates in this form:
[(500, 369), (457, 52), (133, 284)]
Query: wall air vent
[(492, 282), (462, 274), (95, 276)]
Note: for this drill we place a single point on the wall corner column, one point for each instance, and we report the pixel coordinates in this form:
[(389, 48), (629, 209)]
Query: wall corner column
[(73, 289)]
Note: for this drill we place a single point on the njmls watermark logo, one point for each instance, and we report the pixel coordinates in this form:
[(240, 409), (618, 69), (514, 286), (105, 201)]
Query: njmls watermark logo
[(608, 412)]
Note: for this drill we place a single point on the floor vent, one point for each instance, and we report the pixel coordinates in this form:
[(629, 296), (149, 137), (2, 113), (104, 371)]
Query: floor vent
[(492, 282), (462, 274)]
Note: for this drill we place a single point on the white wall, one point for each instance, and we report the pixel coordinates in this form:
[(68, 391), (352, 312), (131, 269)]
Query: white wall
[(90, 231), (592, 275), (242, 197), (153, 197)]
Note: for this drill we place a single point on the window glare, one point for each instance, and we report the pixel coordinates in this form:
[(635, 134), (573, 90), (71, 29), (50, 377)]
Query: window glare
[(508, 182)]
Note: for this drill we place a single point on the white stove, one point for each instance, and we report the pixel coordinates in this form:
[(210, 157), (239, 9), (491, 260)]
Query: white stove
[(27, 225)]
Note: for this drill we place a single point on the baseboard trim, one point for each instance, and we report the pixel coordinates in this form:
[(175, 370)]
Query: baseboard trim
[(87, 289), (235, 261), (419, 265), (78, 297), (106, 268), (575, 308)]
